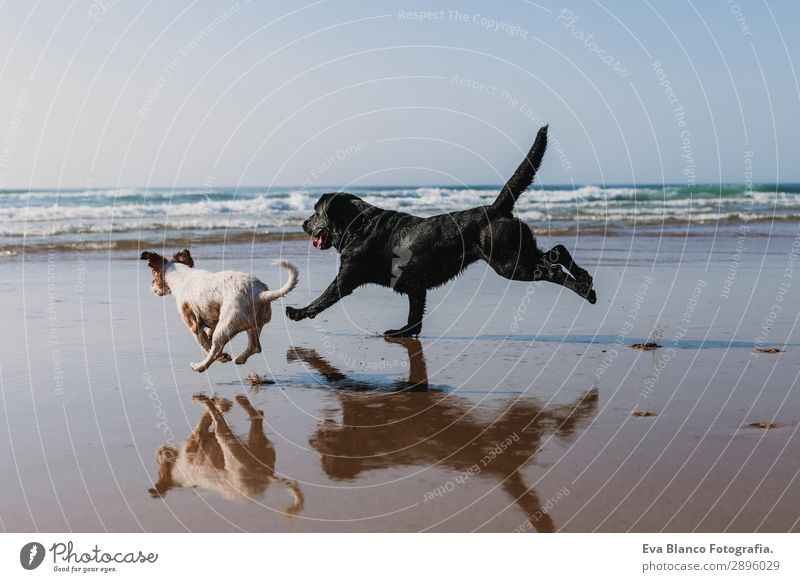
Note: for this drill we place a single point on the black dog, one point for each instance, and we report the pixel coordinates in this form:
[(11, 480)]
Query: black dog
[(412, 254)]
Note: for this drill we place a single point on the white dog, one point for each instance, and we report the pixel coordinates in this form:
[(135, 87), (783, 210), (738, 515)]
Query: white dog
[(226, 303)]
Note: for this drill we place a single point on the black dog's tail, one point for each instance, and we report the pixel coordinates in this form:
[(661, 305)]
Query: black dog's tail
[(524, 175)]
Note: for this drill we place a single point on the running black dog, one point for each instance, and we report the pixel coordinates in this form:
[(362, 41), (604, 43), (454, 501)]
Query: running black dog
[(412, 254)]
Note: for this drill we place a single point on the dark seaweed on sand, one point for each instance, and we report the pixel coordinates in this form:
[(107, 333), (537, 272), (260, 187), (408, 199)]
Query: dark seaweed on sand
[(648, 346)]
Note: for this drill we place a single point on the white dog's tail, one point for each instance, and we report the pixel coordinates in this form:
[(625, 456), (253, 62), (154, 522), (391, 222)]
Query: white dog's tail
[(290, 284)]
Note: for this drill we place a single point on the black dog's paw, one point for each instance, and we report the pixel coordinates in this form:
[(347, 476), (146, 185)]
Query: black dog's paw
[(583, 278), (295, 314), (591, 297), (404, 332)]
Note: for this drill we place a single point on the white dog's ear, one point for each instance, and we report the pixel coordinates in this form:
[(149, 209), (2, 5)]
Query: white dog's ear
[(184, 257), (153, 259)]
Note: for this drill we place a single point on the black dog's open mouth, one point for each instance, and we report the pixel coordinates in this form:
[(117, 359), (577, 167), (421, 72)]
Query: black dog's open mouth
[(318, 240)]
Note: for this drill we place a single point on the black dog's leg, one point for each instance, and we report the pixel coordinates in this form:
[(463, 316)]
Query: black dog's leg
[(551, 273), (554, 274), (560, 255), (340, 287), (416, 311), (508, 245), (525, 269)]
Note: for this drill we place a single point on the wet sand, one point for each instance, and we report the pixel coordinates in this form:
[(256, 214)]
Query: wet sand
[(517, 410)]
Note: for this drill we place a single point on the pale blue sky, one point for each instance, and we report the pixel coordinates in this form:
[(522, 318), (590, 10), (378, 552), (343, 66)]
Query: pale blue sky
[(182, 93)]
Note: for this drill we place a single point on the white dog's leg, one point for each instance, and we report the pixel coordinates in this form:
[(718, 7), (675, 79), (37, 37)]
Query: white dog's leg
[(205, 342), (221, 337), (253, 346)]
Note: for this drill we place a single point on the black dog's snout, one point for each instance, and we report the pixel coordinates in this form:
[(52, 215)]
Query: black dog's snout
[(305, 225)]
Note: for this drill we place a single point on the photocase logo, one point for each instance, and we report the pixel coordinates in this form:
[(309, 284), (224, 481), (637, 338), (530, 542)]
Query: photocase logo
[(31, 555)]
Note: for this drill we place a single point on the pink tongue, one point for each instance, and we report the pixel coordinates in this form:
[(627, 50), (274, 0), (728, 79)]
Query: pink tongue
[(317, 242)]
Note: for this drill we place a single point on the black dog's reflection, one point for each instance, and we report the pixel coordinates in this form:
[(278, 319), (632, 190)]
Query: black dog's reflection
[(408, 425), (220, 461)]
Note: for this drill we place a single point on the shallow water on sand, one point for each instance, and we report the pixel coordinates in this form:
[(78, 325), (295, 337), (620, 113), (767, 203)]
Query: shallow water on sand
[(513, 411)]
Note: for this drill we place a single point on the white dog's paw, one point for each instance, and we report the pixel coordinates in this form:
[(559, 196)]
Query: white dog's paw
[(198, 367), (241, 360)]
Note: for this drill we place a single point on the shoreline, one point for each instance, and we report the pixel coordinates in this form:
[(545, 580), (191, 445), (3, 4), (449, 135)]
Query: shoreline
[(241, 240)]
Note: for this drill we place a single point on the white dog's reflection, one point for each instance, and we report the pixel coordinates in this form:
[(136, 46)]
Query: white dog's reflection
[(218, 460)]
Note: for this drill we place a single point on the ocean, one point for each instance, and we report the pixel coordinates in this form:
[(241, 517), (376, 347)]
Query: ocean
[(119, 219)]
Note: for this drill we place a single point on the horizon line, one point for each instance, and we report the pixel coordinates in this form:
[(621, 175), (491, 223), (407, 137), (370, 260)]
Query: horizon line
[(334, 188)]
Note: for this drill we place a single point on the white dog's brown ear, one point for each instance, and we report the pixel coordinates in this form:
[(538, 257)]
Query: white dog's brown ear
[(155, 260), (184, 257)]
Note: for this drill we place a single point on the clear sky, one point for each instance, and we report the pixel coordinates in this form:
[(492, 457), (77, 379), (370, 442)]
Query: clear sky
[(131, 93)]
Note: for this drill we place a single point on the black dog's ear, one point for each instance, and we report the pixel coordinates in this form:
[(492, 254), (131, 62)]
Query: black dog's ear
[(344, 213), (184, 257), (322, 202)]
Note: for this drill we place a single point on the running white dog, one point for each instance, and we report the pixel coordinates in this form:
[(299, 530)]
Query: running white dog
[(226, 303)]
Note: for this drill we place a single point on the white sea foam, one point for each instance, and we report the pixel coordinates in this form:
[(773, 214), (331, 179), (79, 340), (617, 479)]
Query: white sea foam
[(45, 213)]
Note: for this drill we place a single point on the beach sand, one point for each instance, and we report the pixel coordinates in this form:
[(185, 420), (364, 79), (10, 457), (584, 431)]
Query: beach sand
[(515, 411)]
